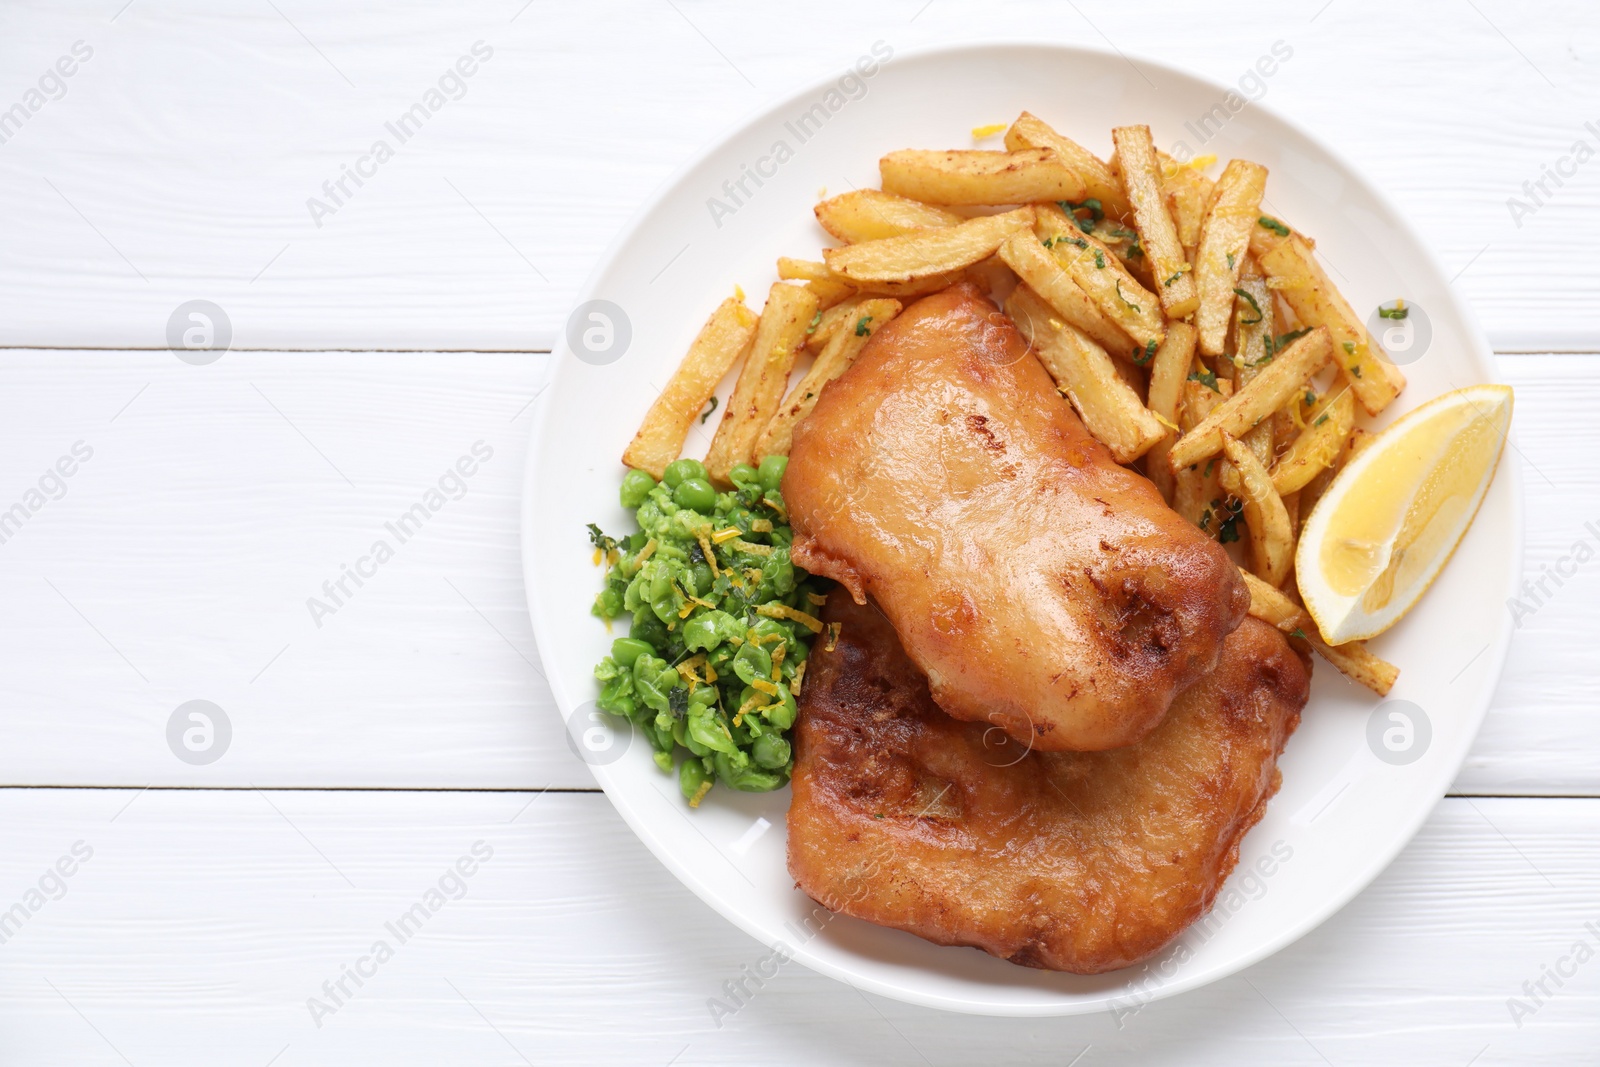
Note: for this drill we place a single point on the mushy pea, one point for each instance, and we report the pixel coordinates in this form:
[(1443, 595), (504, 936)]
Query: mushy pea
[(722, 623)]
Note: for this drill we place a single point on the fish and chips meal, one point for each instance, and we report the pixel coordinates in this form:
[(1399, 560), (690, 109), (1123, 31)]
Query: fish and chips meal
[(1028, 507)]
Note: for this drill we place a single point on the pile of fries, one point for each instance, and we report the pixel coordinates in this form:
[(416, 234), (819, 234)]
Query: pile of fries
[(1196, 335)]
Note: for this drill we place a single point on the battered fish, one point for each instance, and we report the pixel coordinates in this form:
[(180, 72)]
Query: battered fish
[(1042, 587), (1080, 862)]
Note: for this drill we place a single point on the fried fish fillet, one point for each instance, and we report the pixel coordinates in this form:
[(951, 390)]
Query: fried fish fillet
[(1042, 587), (1080, 862)]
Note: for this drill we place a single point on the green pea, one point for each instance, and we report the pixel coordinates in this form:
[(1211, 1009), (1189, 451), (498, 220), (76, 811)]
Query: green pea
[(781, 713), (691, 776), (608, 603), (771, 473), (770, 751), (636, 486), (627, 649), (744, 474), (681, 470), (695, 494)]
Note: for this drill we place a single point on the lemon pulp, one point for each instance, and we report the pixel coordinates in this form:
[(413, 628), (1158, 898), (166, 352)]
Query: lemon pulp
[(1382, 539)]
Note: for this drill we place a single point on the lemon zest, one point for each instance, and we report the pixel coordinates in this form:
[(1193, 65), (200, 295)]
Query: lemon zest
[(784, 611)]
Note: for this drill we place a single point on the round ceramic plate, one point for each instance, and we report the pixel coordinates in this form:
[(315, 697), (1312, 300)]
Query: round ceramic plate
[(1359, 776)]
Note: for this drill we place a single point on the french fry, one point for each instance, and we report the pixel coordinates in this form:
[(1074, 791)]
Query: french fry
[(1141, 178), (973, 176), (1187, 192), (826, 286), (1100, 182), (1271, 537), (1293, 271), (759, 390), (993, 277), (1267, 392), (1353, 444), (803, 270), (830, 320), (1196, 491), (1046, 275), (1273, 606), (1224, 239), (871, 215), (1134, 309), (1318, 445), (1168, 370), (723, 340), (1253, 325), (925, 254), (1268, 234), (1110, 408), (830, 291), (846, 343)]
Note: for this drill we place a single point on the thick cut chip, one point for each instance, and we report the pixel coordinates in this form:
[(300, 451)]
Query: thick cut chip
[(871, 215), (722, 341), (1158, 236), (1100, 181), (1108, 405), (926, 254), (1224, 240), (973, 176), (759, 390)]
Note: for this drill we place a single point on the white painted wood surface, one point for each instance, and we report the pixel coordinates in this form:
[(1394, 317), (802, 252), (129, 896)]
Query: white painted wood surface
[(177, 562), (180, 160)]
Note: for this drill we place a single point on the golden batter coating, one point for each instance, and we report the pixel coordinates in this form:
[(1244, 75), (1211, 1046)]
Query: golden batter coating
[(1082, 862), (1042, 587)]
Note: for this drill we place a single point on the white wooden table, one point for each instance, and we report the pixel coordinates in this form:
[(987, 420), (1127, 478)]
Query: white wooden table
[(368, 754)]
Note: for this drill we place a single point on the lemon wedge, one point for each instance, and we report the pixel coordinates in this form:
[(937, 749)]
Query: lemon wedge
[(1390, 521)]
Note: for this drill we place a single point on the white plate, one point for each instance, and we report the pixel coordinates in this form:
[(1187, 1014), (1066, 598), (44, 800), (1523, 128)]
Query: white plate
[(1342, 814)]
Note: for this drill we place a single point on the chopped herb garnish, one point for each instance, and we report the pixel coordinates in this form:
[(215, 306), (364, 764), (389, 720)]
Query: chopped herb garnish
[(1206, 378), (1228, 529), (1398, 312), (1120, 297), (861, 325), (1355, 369), (1091, 205), (1141, 357), (1230, 260), (1321, 419), (1284, 340), (1248, 299), (1100, 263), (1349, 348), (706, 414), (600, 540), (1274, 225), (1212, 462), (1205, 520), (1175, 276), (816, 320), (1301, 634), (1309, 399)]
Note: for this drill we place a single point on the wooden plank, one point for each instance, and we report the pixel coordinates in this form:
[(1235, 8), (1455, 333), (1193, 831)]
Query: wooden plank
[(207, 920), (182, 157), (180, 560), (194, 537)]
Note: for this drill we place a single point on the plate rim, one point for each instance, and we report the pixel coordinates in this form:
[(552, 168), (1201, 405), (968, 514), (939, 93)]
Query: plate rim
[(1478, 348)]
